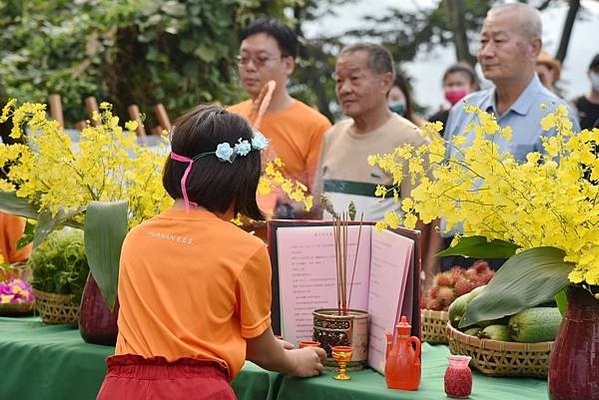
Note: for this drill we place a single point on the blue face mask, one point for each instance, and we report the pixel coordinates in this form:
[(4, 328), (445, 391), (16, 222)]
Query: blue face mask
[(398, 107)]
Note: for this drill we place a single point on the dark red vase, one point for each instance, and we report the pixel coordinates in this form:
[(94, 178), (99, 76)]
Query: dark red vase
[(574, 362), (97, 324)]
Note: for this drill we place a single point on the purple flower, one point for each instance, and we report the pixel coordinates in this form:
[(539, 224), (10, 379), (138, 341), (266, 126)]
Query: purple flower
[(5, 288), (16, 291)]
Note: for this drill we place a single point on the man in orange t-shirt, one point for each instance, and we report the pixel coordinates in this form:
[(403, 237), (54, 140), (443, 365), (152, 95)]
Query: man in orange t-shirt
[(267, 53)]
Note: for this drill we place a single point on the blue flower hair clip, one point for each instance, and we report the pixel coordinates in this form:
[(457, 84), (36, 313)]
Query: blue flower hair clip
[(259, 142), (224, 151)]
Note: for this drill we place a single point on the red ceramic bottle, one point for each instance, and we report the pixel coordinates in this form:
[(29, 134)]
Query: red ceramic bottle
[(402, 368), (97, 324), (458, 377), (574, 362)]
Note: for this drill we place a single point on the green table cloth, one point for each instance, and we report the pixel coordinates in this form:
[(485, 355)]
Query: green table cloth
[(53, 362), (369, 385)]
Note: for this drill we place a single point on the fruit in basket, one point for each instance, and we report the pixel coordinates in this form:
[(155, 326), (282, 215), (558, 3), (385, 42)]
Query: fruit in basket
[(498, 321), (457, 309), (446, 295), (473, 331), (458, 306), (496, 332), (455, 283), (538, 324)]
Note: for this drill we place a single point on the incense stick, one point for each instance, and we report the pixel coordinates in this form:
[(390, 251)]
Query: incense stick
[(344, 266), (337, 259), (353, 272), (341, 226)]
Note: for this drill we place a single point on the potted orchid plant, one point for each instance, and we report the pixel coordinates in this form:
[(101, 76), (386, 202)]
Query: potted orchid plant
[(541, 214), (105, 184)]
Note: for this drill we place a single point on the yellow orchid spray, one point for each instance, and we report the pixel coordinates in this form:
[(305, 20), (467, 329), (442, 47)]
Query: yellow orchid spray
[(551, 199), (107, 166)]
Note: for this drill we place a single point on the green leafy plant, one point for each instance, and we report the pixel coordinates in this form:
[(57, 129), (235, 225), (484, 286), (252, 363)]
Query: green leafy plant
[(59, 264), (176, 52)]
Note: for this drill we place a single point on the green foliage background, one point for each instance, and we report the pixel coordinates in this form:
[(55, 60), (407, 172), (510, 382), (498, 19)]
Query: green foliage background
[(182, 52), (179, 53)]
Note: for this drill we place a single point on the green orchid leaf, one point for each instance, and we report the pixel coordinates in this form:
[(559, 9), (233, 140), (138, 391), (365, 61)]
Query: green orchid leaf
[(480, 247), (10, 203), (47, 223), (562, 301), (105, 229), (27, 235), (45, 226), (527, 279)]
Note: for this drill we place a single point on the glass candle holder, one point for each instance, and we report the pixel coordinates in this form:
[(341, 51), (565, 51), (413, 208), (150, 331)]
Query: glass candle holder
[(458, 377)]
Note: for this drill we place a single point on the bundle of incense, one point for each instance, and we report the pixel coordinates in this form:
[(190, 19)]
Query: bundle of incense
[(341, 238)]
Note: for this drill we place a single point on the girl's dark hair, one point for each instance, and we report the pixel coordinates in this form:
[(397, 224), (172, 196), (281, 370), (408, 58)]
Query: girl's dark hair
[(402, 83), (214, 184), (463, 69)]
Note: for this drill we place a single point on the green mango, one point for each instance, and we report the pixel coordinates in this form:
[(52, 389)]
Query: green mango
[(458, 307), (498, 321), (496, 332), (538, 324), (473, 331)]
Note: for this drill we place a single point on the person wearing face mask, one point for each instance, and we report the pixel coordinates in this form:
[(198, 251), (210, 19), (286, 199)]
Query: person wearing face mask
[(400, 101), (588, 104), (459, 80)]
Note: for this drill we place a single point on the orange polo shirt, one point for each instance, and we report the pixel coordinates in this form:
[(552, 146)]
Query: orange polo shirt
[(192, 285), (11, 230), (296, 135)]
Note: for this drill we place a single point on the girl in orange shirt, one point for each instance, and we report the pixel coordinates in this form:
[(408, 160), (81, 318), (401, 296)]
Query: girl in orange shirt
[(194, 289)]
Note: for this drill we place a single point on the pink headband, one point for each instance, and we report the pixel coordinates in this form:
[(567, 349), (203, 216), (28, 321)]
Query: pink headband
[(189, 162)]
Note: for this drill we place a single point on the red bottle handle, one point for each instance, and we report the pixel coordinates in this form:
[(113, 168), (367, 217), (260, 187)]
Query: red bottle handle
[(415, 343)]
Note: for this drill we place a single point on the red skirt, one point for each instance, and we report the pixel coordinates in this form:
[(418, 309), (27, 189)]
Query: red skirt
[(133, 377)]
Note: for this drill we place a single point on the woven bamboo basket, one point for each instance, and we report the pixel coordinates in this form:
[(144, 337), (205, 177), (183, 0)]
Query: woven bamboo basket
[(15, 309), (497, 358), (56, 308), (434, 325)]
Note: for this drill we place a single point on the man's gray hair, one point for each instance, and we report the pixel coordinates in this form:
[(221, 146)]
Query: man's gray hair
[(527, 18), (380, 61)]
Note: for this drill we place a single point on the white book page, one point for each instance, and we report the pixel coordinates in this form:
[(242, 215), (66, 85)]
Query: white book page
[(307, 275), (389, 267)]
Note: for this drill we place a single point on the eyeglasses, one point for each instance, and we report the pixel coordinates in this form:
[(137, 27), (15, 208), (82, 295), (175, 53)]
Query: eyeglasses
[(259, 62)]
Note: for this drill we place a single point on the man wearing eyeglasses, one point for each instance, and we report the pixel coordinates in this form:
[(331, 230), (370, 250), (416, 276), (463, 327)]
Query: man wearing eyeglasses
[(267, 53)]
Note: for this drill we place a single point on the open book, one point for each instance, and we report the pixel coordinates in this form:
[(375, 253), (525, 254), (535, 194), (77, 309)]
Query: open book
[(386, 282)]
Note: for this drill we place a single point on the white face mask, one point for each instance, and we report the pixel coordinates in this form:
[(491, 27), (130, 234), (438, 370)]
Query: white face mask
[(595, 81)]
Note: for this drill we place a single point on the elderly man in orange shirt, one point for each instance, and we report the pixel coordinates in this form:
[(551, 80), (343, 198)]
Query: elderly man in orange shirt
[(267, 53)]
